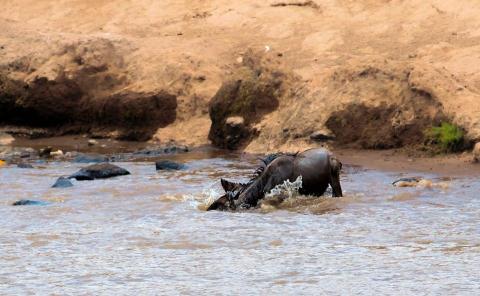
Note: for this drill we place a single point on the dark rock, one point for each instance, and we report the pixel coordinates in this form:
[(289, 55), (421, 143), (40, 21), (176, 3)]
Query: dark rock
[(169, 165), (321, 136), (28, 202), (62, 182), (175, 149), (99, 171), (25, 154), (25, 166), (160, 151), (90, 158)]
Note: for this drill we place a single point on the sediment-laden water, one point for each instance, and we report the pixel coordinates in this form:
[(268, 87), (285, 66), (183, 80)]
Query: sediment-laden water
[(147, 234)]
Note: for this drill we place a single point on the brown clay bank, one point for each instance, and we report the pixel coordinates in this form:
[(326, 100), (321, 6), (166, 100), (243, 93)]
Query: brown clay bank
[(241, 102), (64, 106)]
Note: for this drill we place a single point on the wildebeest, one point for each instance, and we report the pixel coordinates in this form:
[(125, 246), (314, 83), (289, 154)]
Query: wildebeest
[(318, 168)]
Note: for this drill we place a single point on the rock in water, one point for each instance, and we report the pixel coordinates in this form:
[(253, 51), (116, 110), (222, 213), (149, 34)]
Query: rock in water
[(28, 202), (25, 166), (90, 158), (62, 182), (169, 165), (99, 171)]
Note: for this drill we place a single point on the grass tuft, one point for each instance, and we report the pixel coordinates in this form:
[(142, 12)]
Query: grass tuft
[(448, 137)]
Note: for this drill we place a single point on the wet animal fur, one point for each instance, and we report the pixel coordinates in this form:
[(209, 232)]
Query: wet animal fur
[(267, 176)]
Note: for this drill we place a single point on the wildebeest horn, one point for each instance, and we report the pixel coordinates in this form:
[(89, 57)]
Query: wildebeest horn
[(229, 186)]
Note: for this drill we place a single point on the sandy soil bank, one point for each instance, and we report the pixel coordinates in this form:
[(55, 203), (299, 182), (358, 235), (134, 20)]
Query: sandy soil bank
[(373, 74)]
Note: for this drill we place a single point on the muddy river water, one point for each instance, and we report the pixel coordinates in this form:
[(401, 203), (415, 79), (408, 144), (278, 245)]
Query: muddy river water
[(147, 234)]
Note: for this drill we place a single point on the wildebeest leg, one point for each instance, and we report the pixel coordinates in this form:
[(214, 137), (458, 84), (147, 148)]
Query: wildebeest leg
[(336, 167), (273, 176), (336, 188)]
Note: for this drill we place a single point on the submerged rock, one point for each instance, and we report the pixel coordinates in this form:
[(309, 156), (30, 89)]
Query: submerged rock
[(25, 166), (169, 165), (99, 171), (62, 182), (90, 158), (28, 202), (152, 152)]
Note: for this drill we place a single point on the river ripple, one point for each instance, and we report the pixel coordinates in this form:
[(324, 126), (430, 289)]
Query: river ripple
[(146, 234)]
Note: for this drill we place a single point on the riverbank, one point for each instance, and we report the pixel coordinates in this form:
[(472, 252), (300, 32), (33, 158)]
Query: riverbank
[(399, 161), (372, 75)]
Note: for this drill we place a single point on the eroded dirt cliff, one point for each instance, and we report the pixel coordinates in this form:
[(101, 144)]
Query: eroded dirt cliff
[(371, 74)]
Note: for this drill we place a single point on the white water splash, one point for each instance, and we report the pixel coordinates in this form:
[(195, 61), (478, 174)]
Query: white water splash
[(206, 198), (286, 190)]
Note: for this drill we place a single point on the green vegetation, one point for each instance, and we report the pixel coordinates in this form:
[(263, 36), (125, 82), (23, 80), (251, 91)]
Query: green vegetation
[(448, 137)]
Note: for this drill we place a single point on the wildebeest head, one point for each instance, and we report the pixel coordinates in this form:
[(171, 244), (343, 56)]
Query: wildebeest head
[(226, 201), (233, 190)]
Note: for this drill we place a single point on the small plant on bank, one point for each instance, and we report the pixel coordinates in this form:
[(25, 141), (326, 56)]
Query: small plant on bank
[(447, 137)]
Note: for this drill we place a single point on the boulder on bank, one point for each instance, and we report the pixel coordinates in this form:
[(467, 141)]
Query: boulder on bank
[(169, 165), (99, 171), (62, 182)]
